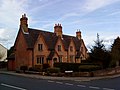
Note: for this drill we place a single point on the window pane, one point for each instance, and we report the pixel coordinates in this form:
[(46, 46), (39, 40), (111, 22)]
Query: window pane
[(59, 47), (40, 47), (60, 58), (37, 60), (71, 48)]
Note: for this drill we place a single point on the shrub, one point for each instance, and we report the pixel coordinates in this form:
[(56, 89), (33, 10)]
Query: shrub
[(53, 70), (37, 68), (45, 66), (88, 68), (24, 68), (67, 66)]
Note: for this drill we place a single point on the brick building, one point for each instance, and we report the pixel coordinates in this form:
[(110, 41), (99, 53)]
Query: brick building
[(37, 47)]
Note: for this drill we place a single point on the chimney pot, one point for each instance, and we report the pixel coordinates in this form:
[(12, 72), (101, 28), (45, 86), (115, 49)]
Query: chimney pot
[(78, 34), (58, 29), (24, 24)]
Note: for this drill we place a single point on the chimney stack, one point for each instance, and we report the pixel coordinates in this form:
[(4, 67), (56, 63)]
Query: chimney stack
[(78, 34), (58, 30), (24, 24)]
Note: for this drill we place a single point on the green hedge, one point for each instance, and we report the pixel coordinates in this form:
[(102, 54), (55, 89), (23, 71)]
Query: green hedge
[(71, 66), (67, 66), (88, 68), (53, 70), (37, 68), (45, 66)]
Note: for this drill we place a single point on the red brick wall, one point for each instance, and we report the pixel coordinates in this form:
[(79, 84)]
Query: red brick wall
[(11, 65), (22, 55), (44, 52)]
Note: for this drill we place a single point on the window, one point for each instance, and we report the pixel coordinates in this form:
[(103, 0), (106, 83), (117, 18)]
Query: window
[(40, 60), (60, 58), (59, 47), (40, 47), (71, 58), (71, 48)]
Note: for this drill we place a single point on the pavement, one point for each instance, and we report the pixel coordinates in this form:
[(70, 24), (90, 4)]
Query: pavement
[(80, 79)]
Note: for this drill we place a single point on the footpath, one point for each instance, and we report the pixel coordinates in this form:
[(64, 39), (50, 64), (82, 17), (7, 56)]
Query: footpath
[(80, 79)]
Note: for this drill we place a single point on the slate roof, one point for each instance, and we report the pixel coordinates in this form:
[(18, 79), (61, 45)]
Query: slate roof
[(50, 39)]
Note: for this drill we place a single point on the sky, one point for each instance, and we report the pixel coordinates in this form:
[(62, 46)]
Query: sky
[(88, 16)]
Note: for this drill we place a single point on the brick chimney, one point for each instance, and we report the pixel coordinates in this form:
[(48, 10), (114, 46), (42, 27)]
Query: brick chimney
[(58, 30), (78, 34), (24, 24)]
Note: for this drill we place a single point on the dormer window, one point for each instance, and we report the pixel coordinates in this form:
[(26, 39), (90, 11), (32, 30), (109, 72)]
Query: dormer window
[(59, 47), (40, 47)]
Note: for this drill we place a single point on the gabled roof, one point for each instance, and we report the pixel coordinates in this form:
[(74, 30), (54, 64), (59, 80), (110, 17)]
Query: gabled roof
[(50, 39)]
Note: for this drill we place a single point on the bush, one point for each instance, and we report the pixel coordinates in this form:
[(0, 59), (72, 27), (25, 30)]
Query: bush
[(67, 66), (45, 66), (53, 70), (88, 68), (36, 68), (24, 68)]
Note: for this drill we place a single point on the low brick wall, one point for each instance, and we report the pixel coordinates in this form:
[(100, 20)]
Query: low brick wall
[(105, 72)]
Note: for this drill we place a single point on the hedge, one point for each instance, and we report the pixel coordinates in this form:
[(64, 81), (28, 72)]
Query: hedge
[(88, 68), (70, 66), (53, 70), (37, 68)]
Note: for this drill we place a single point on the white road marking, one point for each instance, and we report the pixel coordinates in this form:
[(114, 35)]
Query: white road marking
[(81, 85), (59, 82), (69, 84), (51, 81), (94, 87), (108, 89), (3, 84)]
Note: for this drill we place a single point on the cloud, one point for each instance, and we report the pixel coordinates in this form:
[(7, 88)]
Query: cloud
[(114, 13), (92, 5), (68, 15), (10, 12)]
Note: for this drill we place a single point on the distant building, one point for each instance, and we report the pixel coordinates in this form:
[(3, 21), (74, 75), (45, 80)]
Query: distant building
[(38, 47), (3, 53)]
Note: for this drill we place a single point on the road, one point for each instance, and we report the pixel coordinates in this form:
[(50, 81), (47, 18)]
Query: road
[(11, 82)]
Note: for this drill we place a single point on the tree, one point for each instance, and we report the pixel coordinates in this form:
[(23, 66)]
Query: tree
[(99, 54), (10, 51), (115, 52)]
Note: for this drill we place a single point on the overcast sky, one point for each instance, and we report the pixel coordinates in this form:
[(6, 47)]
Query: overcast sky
[(90, 16)]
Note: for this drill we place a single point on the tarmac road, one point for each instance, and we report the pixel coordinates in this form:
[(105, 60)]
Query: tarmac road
[(15, 82)]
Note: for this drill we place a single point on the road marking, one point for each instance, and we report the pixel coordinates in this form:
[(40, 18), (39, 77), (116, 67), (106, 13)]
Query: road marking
[(108, 89), (51, 81), (69, 84), (59, 82), (94, 87), (3, 84), (81, 85)]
